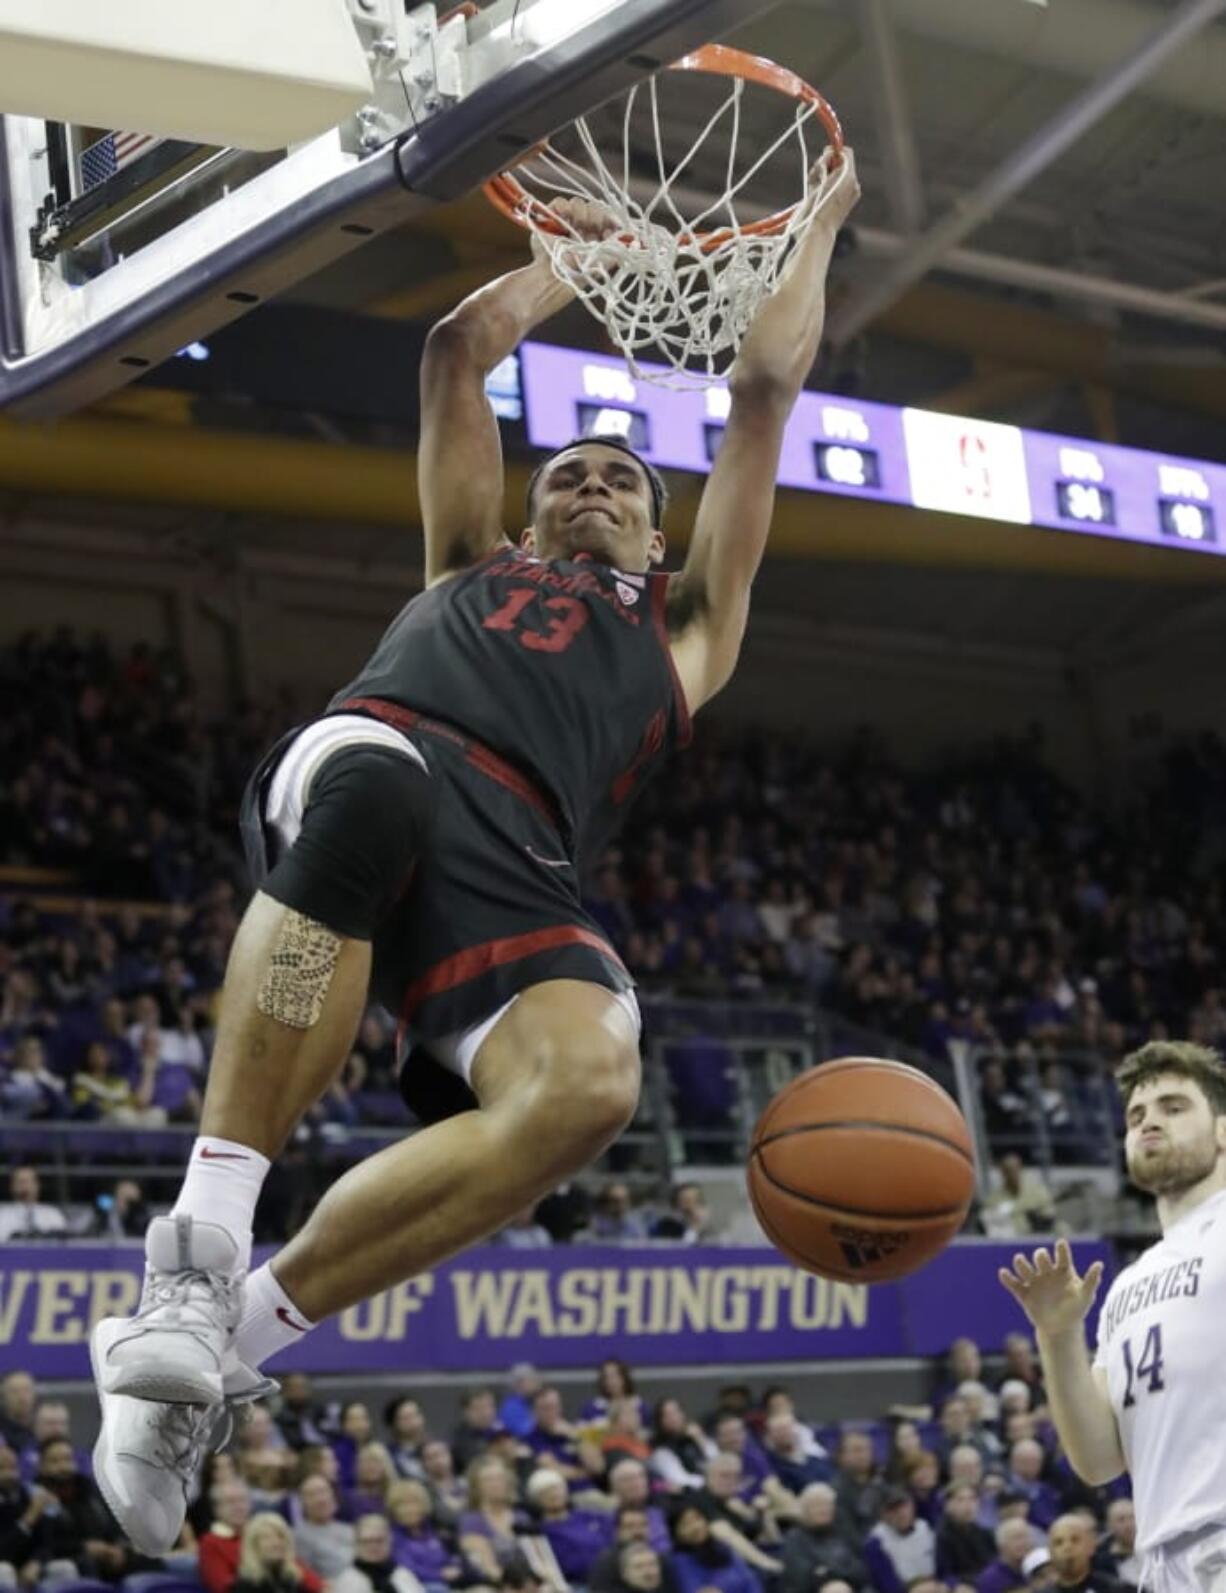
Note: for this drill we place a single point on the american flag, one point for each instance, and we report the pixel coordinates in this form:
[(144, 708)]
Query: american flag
[(111, 154)]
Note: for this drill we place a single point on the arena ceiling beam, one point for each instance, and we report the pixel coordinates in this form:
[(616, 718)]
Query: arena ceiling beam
[(903, 183), (1075, 38), (1172, 32), (288, 479)]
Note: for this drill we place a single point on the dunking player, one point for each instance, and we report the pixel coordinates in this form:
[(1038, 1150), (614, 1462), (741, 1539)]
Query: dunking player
[(421, 842), (1154, 1400)]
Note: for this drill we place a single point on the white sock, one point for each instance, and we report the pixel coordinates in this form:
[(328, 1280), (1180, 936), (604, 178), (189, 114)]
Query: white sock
[(222, 1184), (270, 1321)]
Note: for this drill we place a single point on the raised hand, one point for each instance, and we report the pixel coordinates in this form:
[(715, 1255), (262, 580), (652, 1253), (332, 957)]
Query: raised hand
[(844, 193), (1050, 1290), (581, 218)]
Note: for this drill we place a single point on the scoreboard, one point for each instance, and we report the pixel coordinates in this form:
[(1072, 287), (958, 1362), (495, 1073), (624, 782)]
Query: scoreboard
[(908, 456)]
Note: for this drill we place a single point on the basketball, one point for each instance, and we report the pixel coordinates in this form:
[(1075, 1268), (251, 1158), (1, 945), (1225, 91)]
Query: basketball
[(861, 1170)]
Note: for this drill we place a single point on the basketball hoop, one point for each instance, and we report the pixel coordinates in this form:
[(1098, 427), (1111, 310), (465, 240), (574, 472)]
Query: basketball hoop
[(683, 285)]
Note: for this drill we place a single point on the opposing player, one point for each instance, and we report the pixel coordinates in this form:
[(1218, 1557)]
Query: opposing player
[(1154, 1400), (421, 843)]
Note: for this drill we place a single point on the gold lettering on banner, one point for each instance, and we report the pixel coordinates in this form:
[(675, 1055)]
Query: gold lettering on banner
[(14, 1286), (403, 1301), (657, 1312), (583, 1301), (688, 1303), (849, 1304), (482, 1302), (366, 1321), (772, 1281), (578, 1303), (112, 1294), (810, 1302), (59, 1295), (533, 1306), (729, 1302), (621, 1293)]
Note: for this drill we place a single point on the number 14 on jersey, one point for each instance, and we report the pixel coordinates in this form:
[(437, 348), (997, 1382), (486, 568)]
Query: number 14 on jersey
[(1147, 1368)]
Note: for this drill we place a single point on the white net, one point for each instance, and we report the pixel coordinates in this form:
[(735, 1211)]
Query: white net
[(683, 272)]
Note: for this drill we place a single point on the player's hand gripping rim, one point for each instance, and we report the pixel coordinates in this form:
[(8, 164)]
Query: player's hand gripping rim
[(1050, 1290)]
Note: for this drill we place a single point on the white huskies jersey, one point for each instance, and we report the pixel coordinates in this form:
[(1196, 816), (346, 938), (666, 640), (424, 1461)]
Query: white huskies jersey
[(1162, 1341)]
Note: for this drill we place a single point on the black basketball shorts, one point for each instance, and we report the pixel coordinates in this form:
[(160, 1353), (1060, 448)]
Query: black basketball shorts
[(493, 905)]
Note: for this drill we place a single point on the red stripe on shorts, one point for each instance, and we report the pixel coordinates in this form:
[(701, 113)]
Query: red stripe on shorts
[(477, 960), (475, 752)]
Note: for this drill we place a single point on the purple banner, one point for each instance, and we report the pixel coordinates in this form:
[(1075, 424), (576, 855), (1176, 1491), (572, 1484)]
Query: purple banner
[(910, 456), (565, 1307)]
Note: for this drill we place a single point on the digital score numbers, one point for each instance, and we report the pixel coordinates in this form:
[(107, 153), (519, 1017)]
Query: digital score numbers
[(859, 448), (1181, 509), (844, 458), (1080, 492), (1184, 509)]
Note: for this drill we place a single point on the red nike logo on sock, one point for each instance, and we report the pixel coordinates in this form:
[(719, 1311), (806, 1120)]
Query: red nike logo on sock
[(222, 1156), (283, 1315)]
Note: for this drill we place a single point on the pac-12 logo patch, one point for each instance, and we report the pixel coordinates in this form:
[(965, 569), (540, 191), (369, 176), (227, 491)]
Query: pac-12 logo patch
[(627, 593)]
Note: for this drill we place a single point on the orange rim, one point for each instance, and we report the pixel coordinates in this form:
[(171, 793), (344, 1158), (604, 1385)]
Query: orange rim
[(508, 195)]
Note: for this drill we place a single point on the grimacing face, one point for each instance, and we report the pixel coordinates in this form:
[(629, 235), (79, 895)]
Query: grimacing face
[(596, 500), (1172, 1139)]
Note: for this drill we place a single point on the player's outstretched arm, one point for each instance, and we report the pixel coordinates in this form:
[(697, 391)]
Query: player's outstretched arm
[(709, 598), (459, 456), (1057, 1301)]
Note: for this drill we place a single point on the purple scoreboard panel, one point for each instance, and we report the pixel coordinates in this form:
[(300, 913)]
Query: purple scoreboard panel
[(909, 456)]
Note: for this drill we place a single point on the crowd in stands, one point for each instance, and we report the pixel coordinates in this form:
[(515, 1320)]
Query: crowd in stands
[(969, 1495), (988, 901), (605, 1216)]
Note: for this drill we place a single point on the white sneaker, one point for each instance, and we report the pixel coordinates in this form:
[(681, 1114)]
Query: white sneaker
[(243, 1384), (149, 1452), (172, 1351)]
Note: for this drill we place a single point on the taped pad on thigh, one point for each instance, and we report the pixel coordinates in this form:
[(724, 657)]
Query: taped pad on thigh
[(366, 822)]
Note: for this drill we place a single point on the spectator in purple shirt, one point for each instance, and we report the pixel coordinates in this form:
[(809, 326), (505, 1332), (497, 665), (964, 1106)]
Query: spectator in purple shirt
[(489, 1529), (416, 1544), (701, 1562), (630, 1487), (577, 1537), (1026, 1462), (553, 1441), (1014, 1541), (356, 1429)]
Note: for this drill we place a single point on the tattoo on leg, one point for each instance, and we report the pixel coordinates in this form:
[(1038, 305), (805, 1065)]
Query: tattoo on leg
[(299, 972)]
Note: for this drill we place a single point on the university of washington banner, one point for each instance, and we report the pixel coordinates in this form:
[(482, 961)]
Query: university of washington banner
[(571, 1306)]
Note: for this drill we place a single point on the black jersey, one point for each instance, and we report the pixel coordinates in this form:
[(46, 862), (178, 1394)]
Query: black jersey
[(561, 666)]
